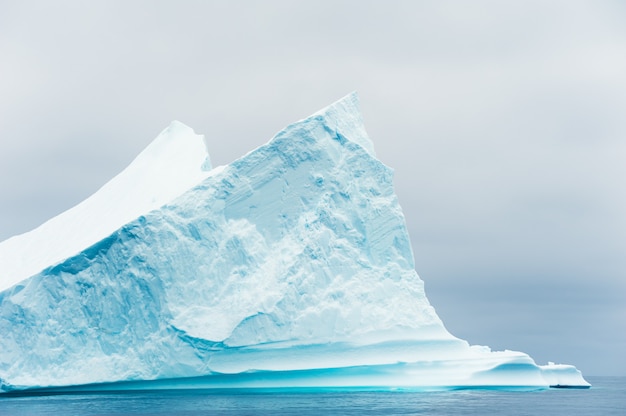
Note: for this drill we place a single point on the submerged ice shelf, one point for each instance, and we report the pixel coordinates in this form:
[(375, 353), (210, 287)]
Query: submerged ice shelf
[(290, 267)]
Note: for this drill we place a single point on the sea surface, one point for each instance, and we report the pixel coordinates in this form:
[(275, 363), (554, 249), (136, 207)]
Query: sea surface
[(606, 397)]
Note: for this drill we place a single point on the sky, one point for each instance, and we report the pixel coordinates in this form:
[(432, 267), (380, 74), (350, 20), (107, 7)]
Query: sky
[(504, 122)]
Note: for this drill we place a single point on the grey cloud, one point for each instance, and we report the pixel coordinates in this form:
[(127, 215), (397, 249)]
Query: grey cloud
[(503, 121)]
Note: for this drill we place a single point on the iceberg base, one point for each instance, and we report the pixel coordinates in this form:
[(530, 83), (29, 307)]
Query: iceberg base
[(512, 374)]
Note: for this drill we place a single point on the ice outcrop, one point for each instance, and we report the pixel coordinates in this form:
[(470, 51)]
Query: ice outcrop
[(290, 267), (174, 162)]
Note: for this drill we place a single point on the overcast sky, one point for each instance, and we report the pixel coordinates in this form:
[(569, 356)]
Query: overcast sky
[(505, 122)]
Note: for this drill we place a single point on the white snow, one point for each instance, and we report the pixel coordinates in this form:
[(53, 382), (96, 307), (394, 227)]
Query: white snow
[(174, 162)]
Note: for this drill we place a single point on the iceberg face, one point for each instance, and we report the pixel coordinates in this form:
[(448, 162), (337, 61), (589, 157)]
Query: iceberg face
[(290, 267)]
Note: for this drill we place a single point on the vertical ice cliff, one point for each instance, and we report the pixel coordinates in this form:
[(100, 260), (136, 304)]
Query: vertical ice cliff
[(289, 267)]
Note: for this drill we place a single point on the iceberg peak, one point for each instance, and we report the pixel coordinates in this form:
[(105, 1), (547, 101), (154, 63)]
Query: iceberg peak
[(344, 115), (174, 148)]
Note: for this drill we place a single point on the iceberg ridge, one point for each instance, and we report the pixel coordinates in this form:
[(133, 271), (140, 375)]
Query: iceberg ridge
[(175, 161), (290, 267)]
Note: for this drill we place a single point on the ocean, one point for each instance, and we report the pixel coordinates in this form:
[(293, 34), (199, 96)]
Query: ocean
[(606, 397)]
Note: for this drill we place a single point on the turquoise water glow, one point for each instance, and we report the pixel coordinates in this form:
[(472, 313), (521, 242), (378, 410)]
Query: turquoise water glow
[(606, 397)]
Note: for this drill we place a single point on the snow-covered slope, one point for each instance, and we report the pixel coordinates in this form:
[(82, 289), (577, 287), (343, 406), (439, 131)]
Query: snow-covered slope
[(175, 161), (289, 267)]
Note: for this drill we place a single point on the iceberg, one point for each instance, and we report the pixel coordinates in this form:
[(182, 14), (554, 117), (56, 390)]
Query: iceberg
[(289, 268)]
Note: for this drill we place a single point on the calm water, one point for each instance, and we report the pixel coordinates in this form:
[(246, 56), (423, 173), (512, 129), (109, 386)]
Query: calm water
[(606, 397)]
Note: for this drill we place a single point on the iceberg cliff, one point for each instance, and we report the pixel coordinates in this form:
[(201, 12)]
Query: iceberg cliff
[(290, 267)]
